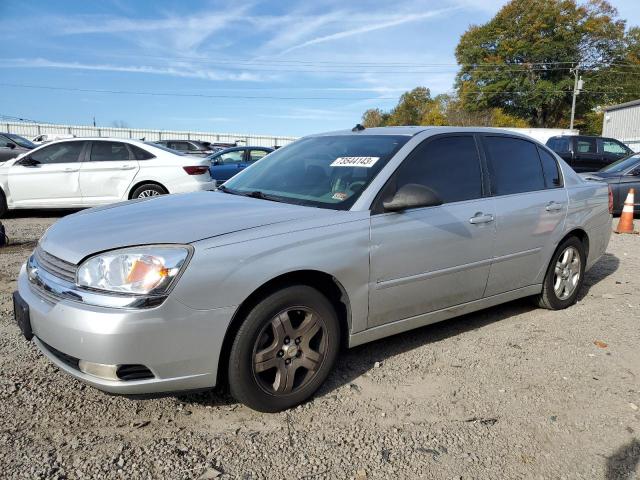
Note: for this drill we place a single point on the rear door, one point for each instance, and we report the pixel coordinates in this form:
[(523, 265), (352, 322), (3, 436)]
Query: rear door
[(430, 258), (586, 156), (49, 176), (107, 171), (531, 207)]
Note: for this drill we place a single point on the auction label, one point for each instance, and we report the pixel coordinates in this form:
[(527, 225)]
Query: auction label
[(366, 162)]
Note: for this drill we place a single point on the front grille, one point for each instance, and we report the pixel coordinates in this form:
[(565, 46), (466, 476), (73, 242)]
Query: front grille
[(134, 372), (68, 360), (55, 266)]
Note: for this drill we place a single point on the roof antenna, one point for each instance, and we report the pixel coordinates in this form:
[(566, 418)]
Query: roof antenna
[(357, 128)]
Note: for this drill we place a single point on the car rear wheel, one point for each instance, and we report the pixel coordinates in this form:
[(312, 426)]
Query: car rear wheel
[(3, 204), (148, 190), (564, 277), (284, 349)]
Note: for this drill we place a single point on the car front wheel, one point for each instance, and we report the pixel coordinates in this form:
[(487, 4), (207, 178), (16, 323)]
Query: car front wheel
[(284, 349), (564, 277)]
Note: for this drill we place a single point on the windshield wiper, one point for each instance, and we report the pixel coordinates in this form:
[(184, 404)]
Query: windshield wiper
[(253, 194)]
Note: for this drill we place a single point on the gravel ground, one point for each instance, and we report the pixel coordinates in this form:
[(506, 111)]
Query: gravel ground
[(509, 392)]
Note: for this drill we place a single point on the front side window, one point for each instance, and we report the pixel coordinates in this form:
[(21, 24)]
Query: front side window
[(255, 155), (231, 158), (66, 152), (450, 166), (325, 171), (514, 165), (586, 145), (108, 152), (611, 146)]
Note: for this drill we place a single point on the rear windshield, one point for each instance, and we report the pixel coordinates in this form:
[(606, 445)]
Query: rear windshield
[(21, 141), (326, 171)]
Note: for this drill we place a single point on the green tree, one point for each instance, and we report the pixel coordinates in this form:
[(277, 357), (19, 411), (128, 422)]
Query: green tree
[(374, 117), (411, 108), (519, 61)]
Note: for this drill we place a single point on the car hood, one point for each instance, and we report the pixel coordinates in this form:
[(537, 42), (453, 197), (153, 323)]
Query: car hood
[(180, 219)]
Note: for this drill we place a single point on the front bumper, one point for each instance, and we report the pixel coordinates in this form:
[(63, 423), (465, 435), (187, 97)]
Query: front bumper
[(179, 345)]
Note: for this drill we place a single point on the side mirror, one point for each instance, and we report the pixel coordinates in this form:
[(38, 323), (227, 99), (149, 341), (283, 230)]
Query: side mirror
[(10, 145), (635, 172), (217, 161), (27, 162), (412, 195)]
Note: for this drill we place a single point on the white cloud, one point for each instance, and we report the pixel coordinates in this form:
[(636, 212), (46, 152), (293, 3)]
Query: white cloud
[(205, 74), (368, 27)]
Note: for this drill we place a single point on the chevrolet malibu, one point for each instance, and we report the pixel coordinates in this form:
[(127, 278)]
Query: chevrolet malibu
[(336, 239)]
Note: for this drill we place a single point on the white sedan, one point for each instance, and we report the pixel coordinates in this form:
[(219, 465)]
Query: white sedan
[(85, 172)]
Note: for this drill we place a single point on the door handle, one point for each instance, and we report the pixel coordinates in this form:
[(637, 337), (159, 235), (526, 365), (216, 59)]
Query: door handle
[(481, 218), (71, 169), (127, 167), (553, 207)]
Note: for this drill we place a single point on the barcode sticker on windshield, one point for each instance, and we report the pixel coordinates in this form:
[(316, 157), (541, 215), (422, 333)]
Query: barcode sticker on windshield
[(366, 162)]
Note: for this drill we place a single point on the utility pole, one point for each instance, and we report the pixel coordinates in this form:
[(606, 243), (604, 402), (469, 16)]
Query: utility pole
[(577, 86)]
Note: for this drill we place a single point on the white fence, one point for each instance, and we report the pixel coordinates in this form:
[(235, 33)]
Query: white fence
[(31, 130)]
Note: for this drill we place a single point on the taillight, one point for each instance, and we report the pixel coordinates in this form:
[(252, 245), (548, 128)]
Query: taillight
[(610, 200), (196, 170)]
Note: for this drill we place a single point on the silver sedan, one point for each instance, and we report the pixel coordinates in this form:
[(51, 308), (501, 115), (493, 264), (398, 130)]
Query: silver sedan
[(335, 240)]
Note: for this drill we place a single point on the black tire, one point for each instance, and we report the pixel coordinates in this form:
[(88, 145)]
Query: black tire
[(148, 190), (3, 205), (255, 389), (549, 298)]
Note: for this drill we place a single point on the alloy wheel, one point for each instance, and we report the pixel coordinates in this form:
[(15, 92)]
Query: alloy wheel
[(567, 273), (289, 350)]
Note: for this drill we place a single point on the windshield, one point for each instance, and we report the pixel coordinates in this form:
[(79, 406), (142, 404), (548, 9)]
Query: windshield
[(622, 164), (326, 171), (18, 140)]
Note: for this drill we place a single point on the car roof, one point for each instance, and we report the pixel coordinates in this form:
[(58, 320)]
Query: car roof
[(235, 149), (414, 130)]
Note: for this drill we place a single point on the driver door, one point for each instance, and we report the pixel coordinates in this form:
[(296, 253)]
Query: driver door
[(49, 176), (431, 258)]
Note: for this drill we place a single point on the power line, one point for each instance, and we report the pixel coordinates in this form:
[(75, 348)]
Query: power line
[(270, 97)]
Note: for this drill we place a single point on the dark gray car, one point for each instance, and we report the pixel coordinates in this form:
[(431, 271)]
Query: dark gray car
[(189, 147), (12, 145), (621, 176)]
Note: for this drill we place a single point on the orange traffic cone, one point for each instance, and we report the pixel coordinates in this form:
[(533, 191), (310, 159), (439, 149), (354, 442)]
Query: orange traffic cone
[(625, 225)]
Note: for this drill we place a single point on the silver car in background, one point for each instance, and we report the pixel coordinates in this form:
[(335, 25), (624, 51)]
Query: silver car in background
[(336, 239)]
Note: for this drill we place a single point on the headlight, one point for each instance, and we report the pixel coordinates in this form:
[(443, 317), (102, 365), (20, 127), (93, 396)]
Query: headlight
[(135, 270)]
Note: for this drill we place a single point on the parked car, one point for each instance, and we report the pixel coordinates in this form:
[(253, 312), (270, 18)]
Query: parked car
[(50, 137), (621, 176), (85, 172), (12, 145), (336, 239), (226, 163), (587, 154), (189, 147)]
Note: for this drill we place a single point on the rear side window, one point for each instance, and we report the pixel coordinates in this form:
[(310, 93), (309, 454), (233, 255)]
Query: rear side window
[(140, 153), (550, 169), (586, 145), (108, 152), (559, 144), (448, 165), (514, 166), (255, 155), (65, 152)]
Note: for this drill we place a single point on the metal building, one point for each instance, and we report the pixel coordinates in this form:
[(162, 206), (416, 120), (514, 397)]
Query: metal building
[(623, 123)]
